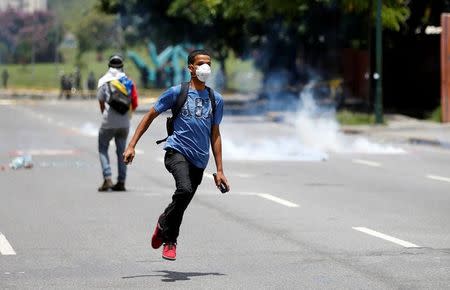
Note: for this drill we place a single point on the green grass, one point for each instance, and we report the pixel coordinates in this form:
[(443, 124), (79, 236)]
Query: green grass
[(38, 76), (47, 75), (345, 117), (436, 115)]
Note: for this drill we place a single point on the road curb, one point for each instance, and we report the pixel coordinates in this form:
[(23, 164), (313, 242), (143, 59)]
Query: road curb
[(411, 139), (429, 142)]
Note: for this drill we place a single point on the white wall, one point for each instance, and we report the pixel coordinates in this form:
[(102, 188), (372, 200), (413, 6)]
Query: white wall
[(24, 5)]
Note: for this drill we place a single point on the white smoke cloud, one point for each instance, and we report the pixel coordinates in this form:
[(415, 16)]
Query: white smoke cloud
[(316, 134), (271, 149), (320, 130)]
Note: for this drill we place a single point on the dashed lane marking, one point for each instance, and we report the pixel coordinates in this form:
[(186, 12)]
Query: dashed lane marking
[(366, 162), (277, 199), (262, 195), (5, 246), (138, 191), (45, 152), (386, 237), (438, 178)]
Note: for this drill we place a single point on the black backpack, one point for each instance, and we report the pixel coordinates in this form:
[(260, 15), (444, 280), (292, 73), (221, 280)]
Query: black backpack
[(119, 98), (181, 99)]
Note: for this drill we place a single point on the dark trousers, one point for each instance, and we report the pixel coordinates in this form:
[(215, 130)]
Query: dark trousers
[(187, 179)]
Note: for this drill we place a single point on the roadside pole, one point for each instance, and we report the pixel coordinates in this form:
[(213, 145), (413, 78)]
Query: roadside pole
[(445, 67), (379, 67)]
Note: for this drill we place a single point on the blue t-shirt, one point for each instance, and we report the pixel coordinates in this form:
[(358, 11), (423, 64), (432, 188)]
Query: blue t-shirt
[(192, 127)]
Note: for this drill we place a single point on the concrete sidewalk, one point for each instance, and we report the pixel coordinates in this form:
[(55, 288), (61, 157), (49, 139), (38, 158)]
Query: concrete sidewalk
[(404, 129)]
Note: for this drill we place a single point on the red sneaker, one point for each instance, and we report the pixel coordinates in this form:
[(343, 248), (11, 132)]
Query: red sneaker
[(170, 251), (156, 238)]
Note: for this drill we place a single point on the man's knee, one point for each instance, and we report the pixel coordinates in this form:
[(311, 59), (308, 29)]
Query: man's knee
[(102, 146), (184, 190)]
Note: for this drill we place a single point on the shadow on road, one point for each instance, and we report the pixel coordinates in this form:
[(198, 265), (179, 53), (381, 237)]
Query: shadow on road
[(173, 276)]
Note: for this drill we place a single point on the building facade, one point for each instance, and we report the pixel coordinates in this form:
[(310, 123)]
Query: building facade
[(24, 5)]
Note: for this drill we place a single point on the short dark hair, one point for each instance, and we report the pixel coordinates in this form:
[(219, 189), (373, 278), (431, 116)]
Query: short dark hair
[(194, 53), (115, 61)]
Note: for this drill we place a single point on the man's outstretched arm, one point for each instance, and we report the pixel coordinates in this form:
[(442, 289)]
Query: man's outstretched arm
[(216, 145), (148, 118)]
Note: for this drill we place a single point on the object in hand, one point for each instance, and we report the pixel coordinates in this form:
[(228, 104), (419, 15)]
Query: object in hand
[(222, 187)]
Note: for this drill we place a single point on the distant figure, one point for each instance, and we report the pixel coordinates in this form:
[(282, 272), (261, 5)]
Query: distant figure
[(160, 77), (77, 79), (117, 96), (144, 78), (91, 84), (65, 85), (5, 77), (61, 84)]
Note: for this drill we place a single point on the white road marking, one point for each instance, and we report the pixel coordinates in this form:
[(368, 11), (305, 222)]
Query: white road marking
[(5, 247), (386, 237), (45, 152), (138, 191), (277, 199), (263, 195), (439, 178), (366, 162), (7, 102)]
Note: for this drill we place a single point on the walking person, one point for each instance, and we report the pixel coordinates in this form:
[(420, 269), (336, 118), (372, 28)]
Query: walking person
[(5, 77), (197, 113), (117, 96), (91, 84)]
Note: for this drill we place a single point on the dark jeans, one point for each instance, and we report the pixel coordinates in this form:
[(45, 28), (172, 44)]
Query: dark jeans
[(187, 179)]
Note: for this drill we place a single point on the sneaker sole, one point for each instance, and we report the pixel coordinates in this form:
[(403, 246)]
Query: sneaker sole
[(169, 259)]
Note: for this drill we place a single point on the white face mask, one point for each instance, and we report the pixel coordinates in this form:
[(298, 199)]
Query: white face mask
[(115, 71), (203, 72)]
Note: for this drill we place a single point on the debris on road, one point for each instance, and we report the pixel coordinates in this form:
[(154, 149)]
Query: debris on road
[(24, 161)]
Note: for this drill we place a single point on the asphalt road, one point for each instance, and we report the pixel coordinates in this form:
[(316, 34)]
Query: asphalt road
[(352, 221)]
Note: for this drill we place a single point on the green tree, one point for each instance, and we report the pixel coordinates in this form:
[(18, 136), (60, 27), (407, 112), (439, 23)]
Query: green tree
[(97, 31), (269, 26), (394, 12), (229, 24)]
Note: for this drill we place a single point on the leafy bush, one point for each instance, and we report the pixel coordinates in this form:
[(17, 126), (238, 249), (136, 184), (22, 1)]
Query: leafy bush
[(28, 36)]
